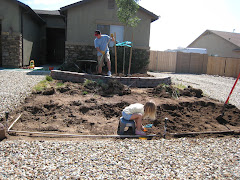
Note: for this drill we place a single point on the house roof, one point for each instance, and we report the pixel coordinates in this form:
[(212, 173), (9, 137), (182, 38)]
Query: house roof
[(154, 17), (231, 37), (47, 12), (30, 11)]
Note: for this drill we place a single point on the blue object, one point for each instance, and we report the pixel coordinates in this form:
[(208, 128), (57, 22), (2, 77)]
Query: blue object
[(126, 123), (126, 43), (148, 126)]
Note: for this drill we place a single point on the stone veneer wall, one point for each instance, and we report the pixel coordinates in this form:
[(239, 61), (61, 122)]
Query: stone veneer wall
[(139, 63), (142, 82), (11, 49), (75, 52)]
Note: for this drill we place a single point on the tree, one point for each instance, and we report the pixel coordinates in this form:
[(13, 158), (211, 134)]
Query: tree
[(127, 10)]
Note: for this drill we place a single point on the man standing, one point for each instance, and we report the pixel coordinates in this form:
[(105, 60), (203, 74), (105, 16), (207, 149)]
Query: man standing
[(101, 44)]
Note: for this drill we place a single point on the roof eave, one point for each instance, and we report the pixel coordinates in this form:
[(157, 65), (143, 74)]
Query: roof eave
[(31, 12), (154, 16), (65, 8)]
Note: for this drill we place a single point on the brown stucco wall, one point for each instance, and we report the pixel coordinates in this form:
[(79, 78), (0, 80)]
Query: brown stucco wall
[(82, 21)]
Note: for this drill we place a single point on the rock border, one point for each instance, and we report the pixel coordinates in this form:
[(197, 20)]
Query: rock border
[(141, 82)]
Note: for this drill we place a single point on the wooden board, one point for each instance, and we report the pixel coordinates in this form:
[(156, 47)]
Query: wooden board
[(83, 136), (134, 136)]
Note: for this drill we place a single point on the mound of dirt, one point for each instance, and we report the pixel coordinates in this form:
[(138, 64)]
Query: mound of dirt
[(168, 91), (107, 89), (88, 109)]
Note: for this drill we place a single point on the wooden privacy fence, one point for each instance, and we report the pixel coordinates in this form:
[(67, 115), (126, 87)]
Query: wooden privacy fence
[(193, 63), (162, 61), (221, 66)]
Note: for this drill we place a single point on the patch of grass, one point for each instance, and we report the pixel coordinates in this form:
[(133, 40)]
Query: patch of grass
[(180, 86), (49, 78), (41, 85), (60, 84)]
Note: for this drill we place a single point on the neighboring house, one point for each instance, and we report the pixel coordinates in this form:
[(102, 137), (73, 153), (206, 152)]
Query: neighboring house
[(219, 43), (20, 38), (65, 34)]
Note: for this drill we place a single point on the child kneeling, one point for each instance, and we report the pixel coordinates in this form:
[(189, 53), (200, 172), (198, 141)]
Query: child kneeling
[(137, 112)]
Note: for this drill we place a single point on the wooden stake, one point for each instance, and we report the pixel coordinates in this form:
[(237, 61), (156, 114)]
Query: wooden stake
[(130, 58), (115, 54), (123, 59)]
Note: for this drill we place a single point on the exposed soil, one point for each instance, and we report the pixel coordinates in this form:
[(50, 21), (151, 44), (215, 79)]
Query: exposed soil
[(95, 109)]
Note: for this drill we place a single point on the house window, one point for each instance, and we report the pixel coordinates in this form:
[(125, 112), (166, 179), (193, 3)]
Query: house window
[(108, 29), (111, 4)]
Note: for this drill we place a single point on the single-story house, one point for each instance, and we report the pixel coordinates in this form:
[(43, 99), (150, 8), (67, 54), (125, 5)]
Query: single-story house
[(219, 43), (65, 34)]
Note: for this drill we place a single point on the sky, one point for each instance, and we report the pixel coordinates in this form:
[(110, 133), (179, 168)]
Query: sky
[(180, 21)]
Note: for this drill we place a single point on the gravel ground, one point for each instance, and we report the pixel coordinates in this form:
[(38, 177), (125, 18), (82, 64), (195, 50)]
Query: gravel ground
[(184, 158), (15, 86), (216, 87), (121, 159)]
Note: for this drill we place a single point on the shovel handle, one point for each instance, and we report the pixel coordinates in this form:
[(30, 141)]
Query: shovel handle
[(232, 88)]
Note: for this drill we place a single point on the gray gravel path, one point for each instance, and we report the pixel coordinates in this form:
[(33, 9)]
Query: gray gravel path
[(16, 85), (121, 159), (216, 87)]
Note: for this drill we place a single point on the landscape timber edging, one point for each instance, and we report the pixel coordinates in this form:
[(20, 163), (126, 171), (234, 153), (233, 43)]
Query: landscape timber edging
[(141, 82)]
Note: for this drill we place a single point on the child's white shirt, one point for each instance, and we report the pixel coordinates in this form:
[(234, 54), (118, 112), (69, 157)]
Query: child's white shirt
[(134, 108)]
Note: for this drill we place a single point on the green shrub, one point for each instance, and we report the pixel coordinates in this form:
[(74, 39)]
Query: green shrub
[(139, 62)]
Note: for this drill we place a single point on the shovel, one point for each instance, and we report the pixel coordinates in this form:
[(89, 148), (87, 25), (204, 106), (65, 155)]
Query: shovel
[(223, 109)]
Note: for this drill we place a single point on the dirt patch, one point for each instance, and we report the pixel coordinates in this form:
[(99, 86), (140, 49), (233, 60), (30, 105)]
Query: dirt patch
[(94, 109)]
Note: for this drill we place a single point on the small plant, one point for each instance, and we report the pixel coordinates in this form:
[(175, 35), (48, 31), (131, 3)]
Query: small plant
[(175, 93), (84, 92), (49, 78), (88, 82), (165, 87)]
